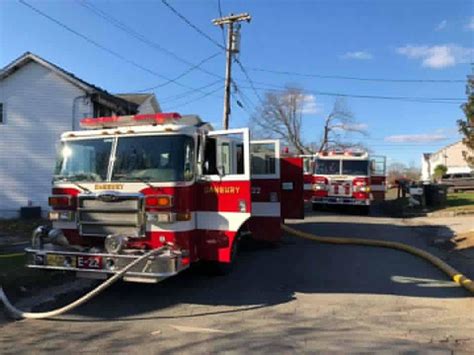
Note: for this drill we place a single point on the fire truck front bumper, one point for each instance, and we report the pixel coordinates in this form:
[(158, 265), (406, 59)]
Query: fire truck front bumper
[(100, 265), (335, 200)]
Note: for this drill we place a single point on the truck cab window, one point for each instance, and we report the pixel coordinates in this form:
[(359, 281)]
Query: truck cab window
[(223, 155), (210, 166)]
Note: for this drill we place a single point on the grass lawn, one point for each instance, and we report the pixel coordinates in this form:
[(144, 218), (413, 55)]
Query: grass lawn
[(461, 199), (20, 227)]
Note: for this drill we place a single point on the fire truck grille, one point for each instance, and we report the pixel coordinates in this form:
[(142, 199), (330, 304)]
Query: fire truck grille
[(123, 215)]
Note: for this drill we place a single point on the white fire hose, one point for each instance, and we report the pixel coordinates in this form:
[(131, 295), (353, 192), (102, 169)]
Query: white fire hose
[(19, 314)]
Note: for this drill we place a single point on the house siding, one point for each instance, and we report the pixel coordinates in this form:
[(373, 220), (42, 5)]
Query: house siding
[(38, 106), (450, 156), (146, 107)]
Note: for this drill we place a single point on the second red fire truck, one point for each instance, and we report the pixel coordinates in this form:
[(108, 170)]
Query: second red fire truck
[(128, 184), (344, 178)]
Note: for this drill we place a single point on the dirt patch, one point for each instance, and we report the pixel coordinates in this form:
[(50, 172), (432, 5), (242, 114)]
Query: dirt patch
[(464, 241)]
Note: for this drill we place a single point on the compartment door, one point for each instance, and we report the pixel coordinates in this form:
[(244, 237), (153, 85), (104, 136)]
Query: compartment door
[(266, 190), (378, 168), (292, 192), (223, 195)]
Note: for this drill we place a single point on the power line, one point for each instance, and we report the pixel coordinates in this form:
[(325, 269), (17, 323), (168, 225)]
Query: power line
[(242, 95), (182, 74), (241, 105), (190, 24), (98, 45), (245, 104), (375, 97), (189, 92), (249, 79), (341, 77), (196, 99), (130, 31)]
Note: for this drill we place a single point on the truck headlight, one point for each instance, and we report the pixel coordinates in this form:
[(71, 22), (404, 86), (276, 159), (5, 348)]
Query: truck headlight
[(115, 243), (319, 187), (66, 216), (161, 217)]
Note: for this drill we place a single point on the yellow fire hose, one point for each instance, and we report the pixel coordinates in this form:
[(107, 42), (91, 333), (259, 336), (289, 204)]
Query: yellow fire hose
[(455, 275), (19, 314)]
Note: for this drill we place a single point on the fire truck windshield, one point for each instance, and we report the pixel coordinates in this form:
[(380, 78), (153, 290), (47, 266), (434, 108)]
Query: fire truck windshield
[(355, 167), (165, 158), (327, 167), (84, 160)]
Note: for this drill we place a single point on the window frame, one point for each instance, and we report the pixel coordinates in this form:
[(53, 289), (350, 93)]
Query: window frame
[(276, 174), (246, 147)]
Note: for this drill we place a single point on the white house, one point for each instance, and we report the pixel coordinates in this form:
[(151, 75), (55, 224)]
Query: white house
[(451, 156), (38, 101)]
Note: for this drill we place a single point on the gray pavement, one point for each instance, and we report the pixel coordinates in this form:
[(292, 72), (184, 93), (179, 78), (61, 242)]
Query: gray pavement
[(299, 297)]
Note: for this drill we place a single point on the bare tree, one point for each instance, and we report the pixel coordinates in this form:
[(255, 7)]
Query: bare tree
[(337, 125), (400, 171), (280, 116)]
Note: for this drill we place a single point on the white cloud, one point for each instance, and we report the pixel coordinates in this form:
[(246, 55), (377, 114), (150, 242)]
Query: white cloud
[(470, 25), (310, 106), (359, 55), (416, 138), (352, 127), (437, 57), (307, 103), (441, 26), (357, 126)]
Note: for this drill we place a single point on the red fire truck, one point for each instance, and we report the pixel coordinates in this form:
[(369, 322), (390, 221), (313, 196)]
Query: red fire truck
[(128, 184), (347, 178)]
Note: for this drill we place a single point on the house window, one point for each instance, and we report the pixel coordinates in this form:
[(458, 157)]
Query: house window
[(2, 114), (102, 111)]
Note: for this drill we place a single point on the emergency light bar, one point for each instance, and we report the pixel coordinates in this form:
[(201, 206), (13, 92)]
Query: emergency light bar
[(347, 153), (130, 120)]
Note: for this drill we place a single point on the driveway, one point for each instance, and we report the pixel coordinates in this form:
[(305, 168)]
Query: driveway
[(299, 297)]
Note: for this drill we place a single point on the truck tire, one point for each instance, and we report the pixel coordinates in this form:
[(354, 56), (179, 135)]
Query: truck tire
[(364, 210), (315, 207)]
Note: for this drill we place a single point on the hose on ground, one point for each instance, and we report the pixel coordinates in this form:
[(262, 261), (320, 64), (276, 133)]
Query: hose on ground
[(455, 275), (19, 314)]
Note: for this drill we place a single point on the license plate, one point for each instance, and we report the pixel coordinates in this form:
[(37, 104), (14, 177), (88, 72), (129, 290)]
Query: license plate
[(60, 260), (89, 262)]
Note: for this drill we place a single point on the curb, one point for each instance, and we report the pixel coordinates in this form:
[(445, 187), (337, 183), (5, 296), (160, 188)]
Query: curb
[(450, 213)]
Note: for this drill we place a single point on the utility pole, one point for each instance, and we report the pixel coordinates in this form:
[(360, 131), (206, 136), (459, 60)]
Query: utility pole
[(233, 47)]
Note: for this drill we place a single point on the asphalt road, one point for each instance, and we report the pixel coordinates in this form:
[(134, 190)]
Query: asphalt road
[(299, 297)]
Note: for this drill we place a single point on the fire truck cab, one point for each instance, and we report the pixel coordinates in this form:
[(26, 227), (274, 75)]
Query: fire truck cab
[(128, 184), (347, 178)]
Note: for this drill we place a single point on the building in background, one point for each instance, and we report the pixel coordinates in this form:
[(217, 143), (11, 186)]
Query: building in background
[(146, 102), (39, 101), (451, 156)]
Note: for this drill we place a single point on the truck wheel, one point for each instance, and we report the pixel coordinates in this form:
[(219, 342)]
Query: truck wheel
[(364, 210), (315, 207)]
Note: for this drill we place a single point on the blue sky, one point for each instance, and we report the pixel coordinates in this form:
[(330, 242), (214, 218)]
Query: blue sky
[(425, 40)]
